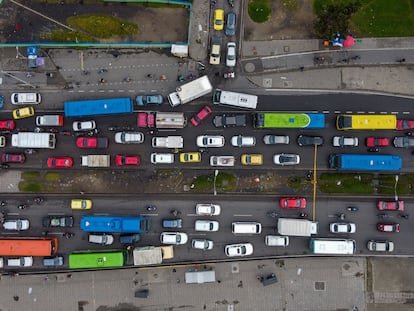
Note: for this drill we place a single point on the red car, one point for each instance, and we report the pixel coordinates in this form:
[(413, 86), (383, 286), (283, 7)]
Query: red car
[(201, 115), (127, 160), (60, 162), (7, 124), (378, 141), (405, 125), (92, 142), (391, 205), (292, 202), (383, 227), (13, 158)]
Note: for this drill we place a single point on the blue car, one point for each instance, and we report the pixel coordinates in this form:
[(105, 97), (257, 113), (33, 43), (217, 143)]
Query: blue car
[(145, 100), (172, 223)]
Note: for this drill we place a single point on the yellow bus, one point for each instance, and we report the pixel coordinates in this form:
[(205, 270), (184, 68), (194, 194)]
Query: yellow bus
[(366, 122)]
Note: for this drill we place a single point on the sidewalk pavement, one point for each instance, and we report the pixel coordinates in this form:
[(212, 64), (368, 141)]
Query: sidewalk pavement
[(303, 284)]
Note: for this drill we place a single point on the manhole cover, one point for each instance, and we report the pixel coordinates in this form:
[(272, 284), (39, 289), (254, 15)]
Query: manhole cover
[(234, 268), (319, 285), (249, 67)]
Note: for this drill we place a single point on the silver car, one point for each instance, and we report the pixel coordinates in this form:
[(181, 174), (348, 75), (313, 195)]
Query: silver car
[(129, 138), (202, 244), (276, 139), (83, 125), (243, 141), (231, 54), (403, 142), (286, 159), (16, 224)]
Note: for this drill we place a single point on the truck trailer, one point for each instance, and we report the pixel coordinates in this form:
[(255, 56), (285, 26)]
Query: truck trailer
[(152, 255), (96, 160), (190, 91), (33, 140), (296, 227)]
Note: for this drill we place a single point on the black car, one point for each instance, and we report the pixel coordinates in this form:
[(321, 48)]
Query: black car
[(58, 221), (226, 120), (304, 140)]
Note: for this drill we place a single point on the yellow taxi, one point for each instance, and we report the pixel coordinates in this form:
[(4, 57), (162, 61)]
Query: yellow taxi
[(190, 157), (24, 112), (252, 159), (80, 204), (218, 19)]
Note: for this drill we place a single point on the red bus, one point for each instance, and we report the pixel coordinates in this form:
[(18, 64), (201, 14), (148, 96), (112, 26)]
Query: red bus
[(28, 246)]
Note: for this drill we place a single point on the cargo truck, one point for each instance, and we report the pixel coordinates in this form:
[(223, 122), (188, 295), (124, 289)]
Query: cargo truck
[(49, 120), (296, 227), (116, 224), (190, 91), (168, 142), (96, 160), (167, 120), (33, 140), (152, 255)]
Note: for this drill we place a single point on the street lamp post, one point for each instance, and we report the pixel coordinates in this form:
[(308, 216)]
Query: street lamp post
[(216, 172), (397, 177)]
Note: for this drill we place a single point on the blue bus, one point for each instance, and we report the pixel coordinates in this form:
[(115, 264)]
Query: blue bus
[(117, 224), (268, 120), (111, 106), (365, 162)]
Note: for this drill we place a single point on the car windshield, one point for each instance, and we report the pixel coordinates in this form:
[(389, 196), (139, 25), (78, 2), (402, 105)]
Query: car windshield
[(284, 159)]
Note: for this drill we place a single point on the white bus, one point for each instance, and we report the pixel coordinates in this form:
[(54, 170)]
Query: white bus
[(235, 100), (332, 246)]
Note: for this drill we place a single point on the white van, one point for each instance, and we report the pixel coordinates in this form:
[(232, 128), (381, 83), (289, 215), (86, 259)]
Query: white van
[(103, 239), (276, 240), (49, 120), (20, 262), (332, 246), (162, 158), (246, 227), (25, 98)]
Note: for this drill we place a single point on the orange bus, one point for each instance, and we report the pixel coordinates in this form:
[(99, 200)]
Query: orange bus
[(28, 246)]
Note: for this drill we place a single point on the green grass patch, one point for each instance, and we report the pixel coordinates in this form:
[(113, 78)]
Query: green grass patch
[(259, 10), (297, 183), (387, 184), (103, 26), (224, 183), (59, 35), (346, 183), (52, 176), (27, 186), (384, 18), (30, 175)]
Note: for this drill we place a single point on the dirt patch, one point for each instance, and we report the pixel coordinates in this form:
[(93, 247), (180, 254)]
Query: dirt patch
[(283, 24), (154, 24)]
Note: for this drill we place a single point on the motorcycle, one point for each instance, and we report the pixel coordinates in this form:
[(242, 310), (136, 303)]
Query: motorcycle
[(102, 70), (29, 151), (151, 208), (3, 203), (352, 208), (21, 206), (231, 2), (68, 235), (4, 166), (113, 128), (272, 214), (175, 212), (383, 216), (303, 215), (229, 75), (341, 216), (404, 216), (38, 200), (38, 130), (65, 133)]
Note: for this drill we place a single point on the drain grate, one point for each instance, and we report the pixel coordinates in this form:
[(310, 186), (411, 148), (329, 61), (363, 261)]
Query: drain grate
[(320, 285)]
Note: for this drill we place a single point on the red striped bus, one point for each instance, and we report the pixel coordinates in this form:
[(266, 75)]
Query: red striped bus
[(28, 246)]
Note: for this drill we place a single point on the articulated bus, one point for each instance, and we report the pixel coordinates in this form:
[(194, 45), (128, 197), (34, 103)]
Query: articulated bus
[(98, 259), (288, 120), (366, 122), (28, 246), (365, 162), (332, 246)]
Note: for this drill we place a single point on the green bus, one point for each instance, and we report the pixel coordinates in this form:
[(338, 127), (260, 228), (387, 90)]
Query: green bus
[(98, 259)]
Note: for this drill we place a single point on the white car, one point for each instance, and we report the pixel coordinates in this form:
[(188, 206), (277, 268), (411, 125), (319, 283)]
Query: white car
[(342, 227), (20, 262), (129, 137), (342, 141), (2, 141), (231, 54), (16, 224), (210, 141), (25, 98), (102, 239), (222, 160), (286, 159), (162, 158), (241, 249), (380, 246), (206, 225), (243, 141), (202, 244), (208, 209), (174, 238), (83, 125)]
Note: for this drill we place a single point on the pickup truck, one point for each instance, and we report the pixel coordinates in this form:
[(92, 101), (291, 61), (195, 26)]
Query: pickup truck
[(168, 142), (226, 120), (92, 142), (96, 160)]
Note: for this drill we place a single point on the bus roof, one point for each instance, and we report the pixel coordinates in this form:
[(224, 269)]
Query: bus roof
[(366, 122), (91, 259), (28, 246)]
